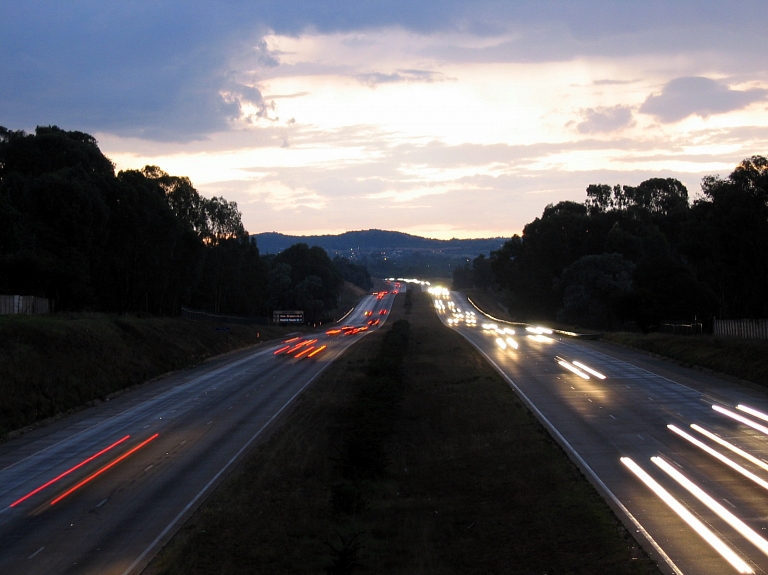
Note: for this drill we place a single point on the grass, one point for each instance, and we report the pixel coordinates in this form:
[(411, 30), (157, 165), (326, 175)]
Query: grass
[(741, 358), (410, 455), (50, 365)]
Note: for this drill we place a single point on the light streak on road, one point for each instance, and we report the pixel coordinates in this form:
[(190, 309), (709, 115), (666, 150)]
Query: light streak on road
[(717, 544), (512, 343), (572, 368), (589, 370), (741, 418), (281, 349), (731, 446), (318, 350), (68, 471), (304, 351), (718, 509), (539, 330), (751, 411), (501, 343), (717, 455), (103, 469), (300, 345)]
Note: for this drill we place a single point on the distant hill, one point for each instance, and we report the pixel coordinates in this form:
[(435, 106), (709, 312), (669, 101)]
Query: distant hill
[(367, 241)]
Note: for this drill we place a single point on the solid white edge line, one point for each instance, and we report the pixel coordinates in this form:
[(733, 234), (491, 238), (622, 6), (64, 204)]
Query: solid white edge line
[(127, 411), (581, 461), (725, 551), (222, 470)]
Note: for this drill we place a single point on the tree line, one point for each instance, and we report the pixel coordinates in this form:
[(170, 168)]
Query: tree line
[(640, 255), (141, 241)]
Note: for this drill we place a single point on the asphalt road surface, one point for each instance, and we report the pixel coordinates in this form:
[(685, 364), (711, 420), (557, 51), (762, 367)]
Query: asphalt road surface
[(100, 492), (722, 487)]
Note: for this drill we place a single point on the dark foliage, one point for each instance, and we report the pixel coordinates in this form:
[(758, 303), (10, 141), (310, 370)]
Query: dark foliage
[(142, 241), (641, 255), (354, 273)]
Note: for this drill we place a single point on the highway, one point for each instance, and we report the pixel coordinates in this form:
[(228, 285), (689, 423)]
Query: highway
[(101, 491), (705, 509)]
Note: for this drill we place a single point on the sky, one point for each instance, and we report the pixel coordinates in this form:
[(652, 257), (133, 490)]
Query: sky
[(442, 119)]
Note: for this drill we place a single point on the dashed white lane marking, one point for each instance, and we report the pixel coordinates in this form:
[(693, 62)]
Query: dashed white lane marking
[(612, 417), (729, 503), (103, 501), (36, 552)]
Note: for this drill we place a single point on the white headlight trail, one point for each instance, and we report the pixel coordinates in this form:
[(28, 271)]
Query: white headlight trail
[(729, 462), (718, 509), (575, 370), (589, 370), (731, 446), (749, 410), (726, 552), (741, 418)]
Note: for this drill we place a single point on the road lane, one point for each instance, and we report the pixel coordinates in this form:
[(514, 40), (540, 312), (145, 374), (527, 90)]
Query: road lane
[(626, 415), (205, 418)]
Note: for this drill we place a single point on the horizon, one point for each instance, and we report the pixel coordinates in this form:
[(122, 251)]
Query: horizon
[(448, 120), (376, 230)]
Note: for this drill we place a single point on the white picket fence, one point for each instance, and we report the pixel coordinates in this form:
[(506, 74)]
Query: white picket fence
[(742, 328), (26, 304)]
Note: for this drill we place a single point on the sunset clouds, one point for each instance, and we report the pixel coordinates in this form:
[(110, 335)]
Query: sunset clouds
[(443, 119)]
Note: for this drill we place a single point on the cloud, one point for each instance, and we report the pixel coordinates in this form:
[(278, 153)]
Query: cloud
[(374, 78), (608, 82), (696, 95), (249, 101), (165, 70), (605, 120)]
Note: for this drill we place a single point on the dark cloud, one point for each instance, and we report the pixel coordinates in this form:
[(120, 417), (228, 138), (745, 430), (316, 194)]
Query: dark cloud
[(157, 69), (604, 120), (683, 97)]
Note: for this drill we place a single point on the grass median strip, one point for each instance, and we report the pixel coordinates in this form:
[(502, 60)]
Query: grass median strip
[(410, 455)]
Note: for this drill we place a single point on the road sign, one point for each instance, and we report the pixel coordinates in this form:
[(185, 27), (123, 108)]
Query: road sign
[(295, 316)]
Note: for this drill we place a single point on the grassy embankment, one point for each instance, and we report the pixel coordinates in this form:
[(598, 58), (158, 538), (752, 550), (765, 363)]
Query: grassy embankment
[(51, 365), (740, 358), (409, 455)]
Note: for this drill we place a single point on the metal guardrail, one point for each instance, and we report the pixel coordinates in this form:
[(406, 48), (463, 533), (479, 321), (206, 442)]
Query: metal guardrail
[(682, 327), (591, 335)]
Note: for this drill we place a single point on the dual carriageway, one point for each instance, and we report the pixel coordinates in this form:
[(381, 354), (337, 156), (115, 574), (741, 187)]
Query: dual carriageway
[(681, 455)]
